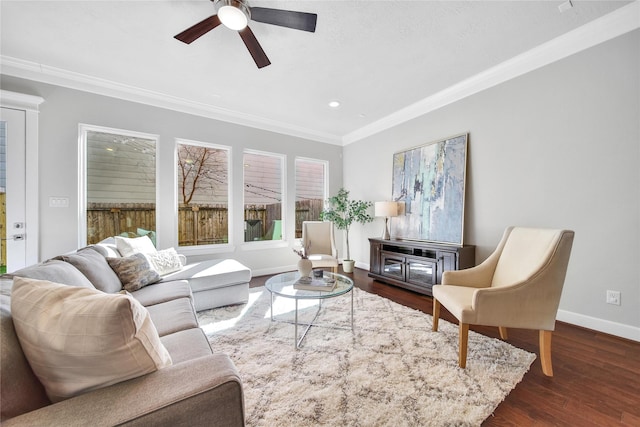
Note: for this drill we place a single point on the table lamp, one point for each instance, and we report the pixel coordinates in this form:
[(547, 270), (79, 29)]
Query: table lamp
[(387, 210)]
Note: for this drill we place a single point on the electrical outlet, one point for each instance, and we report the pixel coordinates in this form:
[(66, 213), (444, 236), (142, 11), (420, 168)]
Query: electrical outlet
[(613, 297)]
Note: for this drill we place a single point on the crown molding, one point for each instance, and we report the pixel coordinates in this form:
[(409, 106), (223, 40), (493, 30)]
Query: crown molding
[(607, 27), (57, 76), (20, 101)]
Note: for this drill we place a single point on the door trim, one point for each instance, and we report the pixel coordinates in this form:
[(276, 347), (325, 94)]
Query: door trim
[(30, 105)]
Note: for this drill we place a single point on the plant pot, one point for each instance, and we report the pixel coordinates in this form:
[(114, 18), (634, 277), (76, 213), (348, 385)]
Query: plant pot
[(347, 265), (305, 266)]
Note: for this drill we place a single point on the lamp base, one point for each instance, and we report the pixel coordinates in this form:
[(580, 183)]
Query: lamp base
[(385, 233)]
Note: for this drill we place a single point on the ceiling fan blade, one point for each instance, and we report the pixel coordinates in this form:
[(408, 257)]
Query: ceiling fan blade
[(285, 18), (191, 34), (254, 47)]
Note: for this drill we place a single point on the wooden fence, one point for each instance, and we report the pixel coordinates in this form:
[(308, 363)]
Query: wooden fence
[(197, 225)]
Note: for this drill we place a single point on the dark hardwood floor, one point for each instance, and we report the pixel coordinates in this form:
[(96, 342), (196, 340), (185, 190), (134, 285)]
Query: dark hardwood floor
[(596, 378)]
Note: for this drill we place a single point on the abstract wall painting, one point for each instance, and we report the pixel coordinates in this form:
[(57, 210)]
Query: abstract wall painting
[(430, 181)]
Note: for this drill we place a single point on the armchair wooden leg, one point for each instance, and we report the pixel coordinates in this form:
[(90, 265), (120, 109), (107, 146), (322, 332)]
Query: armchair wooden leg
[(503, 333), (545, 352), (436, 315), (463, 339)]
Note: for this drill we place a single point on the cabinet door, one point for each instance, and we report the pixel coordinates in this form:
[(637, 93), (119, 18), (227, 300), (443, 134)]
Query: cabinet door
[(421, 272), (392, 265), (448, 261), (374, 258)]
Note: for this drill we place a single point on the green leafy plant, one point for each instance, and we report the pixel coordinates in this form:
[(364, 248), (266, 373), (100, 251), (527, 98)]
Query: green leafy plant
[(343, 212)]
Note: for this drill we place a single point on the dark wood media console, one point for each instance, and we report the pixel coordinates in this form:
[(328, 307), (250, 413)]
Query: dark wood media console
[(416, 265)]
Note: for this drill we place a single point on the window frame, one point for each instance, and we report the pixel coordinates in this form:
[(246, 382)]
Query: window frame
[(83, 129), (211, 248), (262, 244), (325, 171)]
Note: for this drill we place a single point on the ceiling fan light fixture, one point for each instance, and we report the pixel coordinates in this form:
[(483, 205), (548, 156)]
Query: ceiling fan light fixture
[(233, 14)]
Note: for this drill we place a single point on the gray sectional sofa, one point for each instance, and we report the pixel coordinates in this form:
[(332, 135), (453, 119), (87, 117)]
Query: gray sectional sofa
[(199, 387)]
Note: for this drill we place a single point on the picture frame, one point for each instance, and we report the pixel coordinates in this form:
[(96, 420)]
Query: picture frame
[(429, 184)]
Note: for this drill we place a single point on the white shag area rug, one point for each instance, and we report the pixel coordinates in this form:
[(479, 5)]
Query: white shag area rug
[(391, 371)]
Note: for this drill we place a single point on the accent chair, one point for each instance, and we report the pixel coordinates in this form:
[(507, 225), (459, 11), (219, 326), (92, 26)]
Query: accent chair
[(318, 243), (518, 286)]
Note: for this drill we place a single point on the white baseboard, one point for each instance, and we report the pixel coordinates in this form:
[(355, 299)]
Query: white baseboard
[(608, 327)]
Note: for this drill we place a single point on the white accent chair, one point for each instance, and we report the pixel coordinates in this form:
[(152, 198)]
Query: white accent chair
[(318, 243), (518, 286)]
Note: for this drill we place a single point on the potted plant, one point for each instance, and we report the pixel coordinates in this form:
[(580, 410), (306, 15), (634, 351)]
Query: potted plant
[(343, 212)]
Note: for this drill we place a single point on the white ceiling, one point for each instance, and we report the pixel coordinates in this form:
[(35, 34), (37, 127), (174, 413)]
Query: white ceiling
[(375, 57)]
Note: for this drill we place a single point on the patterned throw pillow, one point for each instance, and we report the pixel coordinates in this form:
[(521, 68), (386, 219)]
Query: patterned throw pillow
[(134, 271), (165, 261)]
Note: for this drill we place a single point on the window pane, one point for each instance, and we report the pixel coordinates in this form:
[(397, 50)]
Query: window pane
[(310, 191), (203, 195), (121, 186), (262, 197)]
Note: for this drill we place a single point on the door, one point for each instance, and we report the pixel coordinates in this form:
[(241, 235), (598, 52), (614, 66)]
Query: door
[(13, 188)]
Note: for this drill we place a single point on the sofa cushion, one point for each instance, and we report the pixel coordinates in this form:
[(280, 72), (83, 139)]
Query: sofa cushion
[(128, 246), (165, 261), (77, 339), (173, 316), (162, 292), (21, 390), (95, 267), (211, 274), (133, 271), (55, 271), (186, 345)]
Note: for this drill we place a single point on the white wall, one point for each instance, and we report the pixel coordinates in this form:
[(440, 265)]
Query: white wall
[(558, 147), (64, 109)]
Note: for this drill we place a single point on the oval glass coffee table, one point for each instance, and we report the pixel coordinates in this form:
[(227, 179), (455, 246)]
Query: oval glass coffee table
[(283, 285)]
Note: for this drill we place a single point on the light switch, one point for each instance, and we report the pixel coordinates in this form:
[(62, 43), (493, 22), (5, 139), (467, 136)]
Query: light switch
[(58, 202)]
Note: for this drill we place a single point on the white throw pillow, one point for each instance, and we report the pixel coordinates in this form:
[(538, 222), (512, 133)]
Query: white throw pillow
[(165, 261), (128, 246), (78, 339)]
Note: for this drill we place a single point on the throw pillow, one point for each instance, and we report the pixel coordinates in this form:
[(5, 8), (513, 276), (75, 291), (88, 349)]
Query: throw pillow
[(165, 261), (132, 245), (95, 267), (77, 339), (134, 271), (150, 233)]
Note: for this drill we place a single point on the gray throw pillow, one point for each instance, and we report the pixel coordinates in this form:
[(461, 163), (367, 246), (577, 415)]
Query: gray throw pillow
[(133, 271), (95, 267)]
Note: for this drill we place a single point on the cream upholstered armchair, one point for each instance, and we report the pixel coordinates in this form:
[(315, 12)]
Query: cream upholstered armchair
[(319, 244), (518, 286)]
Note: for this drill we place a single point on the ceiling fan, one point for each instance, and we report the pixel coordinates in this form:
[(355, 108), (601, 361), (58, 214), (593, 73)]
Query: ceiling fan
[(235, 14)]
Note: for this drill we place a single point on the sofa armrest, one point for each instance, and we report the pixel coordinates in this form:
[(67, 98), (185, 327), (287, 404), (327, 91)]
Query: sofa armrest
[(196, 392)]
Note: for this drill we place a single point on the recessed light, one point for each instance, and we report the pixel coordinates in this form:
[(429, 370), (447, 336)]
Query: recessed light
[(334, 104)]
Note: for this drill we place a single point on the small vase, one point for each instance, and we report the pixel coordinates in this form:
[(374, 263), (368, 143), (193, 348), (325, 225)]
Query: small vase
[(304, 267), (347, 265)]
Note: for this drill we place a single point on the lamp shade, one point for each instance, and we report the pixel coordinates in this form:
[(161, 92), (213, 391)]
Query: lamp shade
[(386, 209)]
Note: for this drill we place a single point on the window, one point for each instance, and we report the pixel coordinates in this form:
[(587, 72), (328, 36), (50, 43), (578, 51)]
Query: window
[(263, 196), (310, 191), (119, 181), (203, 194)]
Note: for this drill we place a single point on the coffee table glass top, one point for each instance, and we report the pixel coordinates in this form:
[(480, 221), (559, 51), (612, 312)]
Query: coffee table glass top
[(282, 285)]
